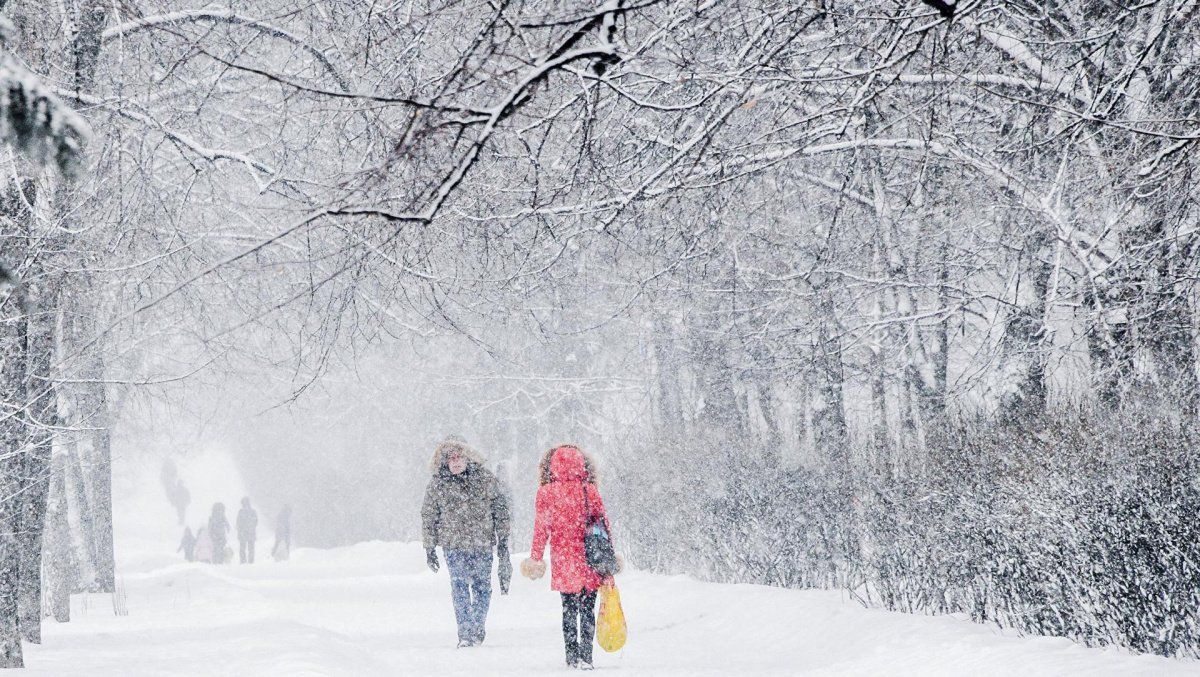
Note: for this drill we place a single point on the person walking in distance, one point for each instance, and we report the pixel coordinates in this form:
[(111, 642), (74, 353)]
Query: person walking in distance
[(247, 531), (567, 499), (283, 534), (466, 514), (218, 532), (203, 551), (187, 545)]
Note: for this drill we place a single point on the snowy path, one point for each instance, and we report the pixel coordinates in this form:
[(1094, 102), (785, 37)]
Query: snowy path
[(373, 609)]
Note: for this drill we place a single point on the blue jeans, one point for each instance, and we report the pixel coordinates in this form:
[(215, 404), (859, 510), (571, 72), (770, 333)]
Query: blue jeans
[(471, 588)]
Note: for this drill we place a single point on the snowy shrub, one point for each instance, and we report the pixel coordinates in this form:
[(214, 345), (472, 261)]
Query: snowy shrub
[(1080, 528), (1084, 529), (740, 522)]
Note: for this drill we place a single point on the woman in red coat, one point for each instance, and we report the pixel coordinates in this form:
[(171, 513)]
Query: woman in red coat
[(566, 498)]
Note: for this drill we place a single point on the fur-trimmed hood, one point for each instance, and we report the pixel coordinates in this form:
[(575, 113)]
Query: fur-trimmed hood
[(444, 449), (555, 465)]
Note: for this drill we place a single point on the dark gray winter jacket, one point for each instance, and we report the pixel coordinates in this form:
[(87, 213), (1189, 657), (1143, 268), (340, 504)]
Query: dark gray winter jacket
[(464, 512)]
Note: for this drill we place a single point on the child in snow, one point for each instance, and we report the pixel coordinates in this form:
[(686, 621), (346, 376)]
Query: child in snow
[(188, 545), (465, 512), (203, 551), (566, 498)]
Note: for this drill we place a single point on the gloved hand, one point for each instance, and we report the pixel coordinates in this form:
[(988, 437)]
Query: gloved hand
[(432, 560), (504, 566), (533, 569)]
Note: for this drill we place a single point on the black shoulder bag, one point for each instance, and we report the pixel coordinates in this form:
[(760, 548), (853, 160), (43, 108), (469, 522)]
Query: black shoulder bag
[(597, 543)]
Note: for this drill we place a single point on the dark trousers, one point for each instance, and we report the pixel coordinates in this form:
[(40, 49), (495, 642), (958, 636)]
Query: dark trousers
[(579, 625), (246, 550)]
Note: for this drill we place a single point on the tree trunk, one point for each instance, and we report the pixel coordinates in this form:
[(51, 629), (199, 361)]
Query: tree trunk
[(773, 444), (10, 632), (829, 412), (879, 335), (13, 350), (10, 555), (35, 481), (667, 389), (82, 525), (102, 488), (56, 547), (1026, 338), (935, 401)]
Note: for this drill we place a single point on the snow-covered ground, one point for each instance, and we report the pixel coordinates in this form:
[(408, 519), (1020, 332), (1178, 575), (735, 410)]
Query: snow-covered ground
[(373, 609)]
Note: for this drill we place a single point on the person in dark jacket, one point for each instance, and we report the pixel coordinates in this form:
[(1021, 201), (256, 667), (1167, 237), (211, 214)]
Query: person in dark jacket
[(247, 531), (466, 513), (218, 532)]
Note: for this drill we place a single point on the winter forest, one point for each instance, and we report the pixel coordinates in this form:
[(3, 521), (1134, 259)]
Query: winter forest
[(894, 302)]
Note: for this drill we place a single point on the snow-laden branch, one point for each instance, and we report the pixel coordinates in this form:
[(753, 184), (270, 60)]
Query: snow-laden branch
[(505, 107), (360, 96), (1041, 84), (1020, 53), (222, 16), (899, 144), (1149, 166), (212, 155)]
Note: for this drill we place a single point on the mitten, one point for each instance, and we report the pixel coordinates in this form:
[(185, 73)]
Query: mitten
[(533, 569)]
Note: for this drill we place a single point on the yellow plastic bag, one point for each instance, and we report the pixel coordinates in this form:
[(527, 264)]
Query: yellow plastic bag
[(610, 621)]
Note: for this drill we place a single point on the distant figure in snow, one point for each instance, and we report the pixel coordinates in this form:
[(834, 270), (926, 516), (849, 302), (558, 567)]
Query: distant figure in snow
[(247, 531), (176, 490), (465, 512), (204, 549), (218, 532), (283, 534), (188, 545), (181, 498), (567, 500)]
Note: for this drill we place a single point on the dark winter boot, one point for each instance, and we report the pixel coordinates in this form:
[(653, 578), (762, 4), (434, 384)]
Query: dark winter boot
[(572, 654), (583, 656)]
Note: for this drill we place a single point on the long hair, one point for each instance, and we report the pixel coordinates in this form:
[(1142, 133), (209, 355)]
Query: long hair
[(545, 476)]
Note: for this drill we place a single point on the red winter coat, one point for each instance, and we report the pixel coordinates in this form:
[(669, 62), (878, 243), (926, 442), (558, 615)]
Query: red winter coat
[(560, 519)]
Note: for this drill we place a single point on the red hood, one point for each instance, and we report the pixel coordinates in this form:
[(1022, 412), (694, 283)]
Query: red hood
[(567, 465)]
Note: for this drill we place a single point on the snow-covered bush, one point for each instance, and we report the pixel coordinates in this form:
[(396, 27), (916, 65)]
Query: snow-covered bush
[(1078, 527), (1074, 527), (737, 521)]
